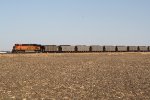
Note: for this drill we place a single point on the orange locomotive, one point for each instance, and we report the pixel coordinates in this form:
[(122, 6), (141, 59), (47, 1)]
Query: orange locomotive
[(22, 48)]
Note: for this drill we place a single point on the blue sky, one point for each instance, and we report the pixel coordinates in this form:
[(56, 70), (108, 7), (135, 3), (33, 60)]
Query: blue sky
[(102, 22)]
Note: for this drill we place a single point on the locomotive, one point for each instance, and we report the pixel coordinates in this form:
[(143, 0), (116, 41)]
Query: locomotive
[(38, 48), (23, 48)]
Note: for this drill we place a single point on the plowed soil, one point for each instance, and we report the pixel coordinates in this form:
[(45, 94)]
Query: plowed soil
[(75, 76)]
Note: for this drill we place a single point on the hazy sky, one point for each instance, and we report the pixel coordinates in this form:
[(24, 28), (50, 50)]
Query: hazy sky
[(110, 22)]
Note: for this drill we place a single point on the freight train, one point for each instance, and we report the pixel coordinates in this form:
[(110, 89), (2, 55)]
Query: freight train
[(38, 48)]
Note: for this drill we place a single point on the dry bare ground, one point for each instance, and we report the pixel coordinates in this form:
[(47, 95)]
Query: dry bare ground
[(79, 76)]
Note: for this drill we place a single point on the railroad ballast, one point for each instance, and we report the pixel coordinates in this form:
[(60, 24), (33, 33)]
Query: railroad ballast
[(38, 48)]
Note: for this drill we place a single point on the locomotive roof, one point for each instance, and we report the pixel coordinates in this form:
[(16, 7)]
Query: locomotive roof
[(27, 44)]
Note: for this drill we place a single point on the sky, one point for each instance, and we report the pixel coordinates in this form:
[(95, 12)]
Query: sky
[(74, 22)]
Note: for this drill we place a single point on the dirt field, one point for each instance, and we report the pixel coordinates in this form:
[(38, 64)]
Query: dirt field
[(84, 76)]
